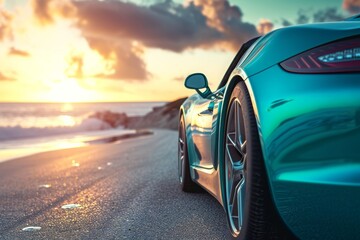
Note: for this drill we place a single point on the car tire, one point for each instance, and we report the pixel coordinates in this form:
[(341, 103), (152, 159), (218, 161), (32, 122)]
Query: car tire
[(186, 183), (256, 215)]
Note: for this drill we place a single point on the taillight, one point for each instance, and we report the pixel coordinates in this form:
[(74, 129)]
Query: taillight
[(339, 56)]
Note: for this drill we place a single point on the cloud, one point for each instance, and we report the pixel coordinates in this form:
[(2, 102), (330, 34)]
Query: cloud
[(303, 17), (323, 15), (285, 22), (164, 25), (122, 61), (264, 26), (42, 11), (4, 77), (18, 52), (45, 11), (120, 30), (128, 63), (5, 25), (227, 19), (179, 78), (75, 66), (327, 15), (167, 25), (112, 28), (352, 6)]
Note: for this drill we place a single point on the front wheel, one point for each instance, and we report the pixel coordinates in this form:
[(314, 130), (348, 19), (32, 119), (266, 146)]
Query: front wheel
[(186, 183), (248, 202)]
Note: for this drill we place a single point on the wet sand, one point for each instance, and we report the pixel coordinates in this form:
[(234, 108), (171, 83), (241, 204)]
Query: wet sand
[(126, 189)]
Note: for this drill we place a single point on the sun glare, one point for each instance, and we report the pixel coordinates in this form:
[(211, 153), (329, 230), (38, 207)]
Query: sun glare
[(69, 90)]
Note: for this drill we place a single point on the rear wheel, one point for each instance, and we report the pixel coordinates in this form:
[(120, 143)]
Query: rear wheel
[(248, 203), (186, 183)]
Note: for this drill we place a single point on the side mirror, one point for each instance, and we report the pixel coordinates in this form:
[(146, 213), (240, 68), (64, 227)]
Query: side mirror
[(198, 81)]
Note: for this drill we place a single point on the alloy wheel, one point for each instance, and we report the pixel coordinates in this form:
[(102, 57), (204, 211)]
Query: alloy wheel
[(235, 166), (181, 152)]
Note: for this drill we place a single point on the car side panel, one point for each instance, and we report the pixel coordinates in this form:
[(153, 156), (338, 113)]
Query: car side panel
[(205, 175), (309, 126)]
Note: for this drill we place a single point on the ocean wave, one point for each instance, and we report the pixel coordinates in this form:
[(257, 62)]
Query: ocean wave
[(17, 132), (30, 120)]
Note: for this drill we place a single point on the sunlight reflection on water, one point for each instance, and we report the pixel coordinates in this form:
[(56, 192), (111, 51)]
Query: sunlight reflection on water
[(18, 148)]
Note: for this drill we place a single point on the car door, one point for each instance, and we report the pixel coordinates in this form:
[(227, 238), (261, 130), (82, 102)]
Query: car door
[(203, 129), (204, 121)]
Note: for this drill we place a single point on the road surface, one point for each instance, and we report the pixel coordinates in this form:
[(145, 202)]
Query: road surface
[(123, 190)]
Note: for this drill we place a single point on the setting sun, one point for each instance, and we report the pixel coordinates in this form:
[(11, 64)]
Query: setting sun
[(113, 111), (69, 90)]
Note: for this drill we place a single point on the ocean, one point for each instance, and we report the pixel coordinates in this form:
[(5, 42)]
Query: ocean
[(27, 128)]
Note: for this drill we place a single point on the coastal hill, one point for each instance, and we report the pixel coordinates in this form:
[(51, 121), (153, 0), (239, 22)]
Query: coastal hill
[(166, 116)]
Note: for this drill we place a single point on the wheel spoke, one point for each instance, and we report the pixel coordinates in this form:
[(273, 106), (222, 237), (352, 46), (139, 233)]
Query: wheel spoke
[(230, 189), (243, 147), (231, 142), (235, 156), (181, 143), (231, 137), (230, 154), (237, 123), (241, 201), (234, 202), (181, 154)]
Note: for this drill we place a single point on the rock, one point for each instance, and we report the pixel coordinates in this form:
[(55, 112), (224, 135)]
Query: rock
[(111, 118), (160, 117), (91, 124)]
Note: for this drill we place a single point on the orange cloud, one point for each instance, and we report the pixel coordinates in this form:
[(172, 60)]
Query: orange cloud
[(4, 77), (45, 11), (227, 19), (18, 52), (111, 28), (75, 66), (352, 6), (163, 25), (123, 59), (264, 26), (5, 24), (218, 12)]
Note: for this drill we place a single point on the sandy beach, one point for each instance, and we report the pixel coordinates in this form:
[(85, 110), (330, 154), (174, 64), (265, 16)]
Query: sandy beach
[(122, 190)]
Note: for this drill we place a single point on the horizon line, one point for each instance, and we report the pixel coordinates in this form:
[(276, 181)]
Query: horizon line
[(1, 102)]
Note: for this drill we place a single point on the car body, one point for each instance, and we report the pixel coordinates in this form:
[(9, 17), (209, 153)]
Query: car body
[(308, 125)]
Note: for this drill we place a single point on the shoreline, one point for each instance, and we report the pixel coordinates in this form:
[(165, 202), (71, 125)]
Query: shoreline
[(113, 126), (114, 139), (21, 152)]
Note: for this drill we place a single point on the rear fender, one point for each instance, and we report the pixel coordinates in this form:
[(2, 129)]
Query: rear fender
[(235, 78)]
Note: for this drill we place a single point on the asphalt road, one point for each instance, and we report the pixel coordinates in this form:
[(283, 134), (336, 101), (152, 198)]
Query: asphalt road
[(123, 190)]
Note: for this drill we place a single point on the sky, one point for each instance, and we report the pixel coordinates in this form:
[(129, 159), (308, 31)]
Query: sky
[(134, 50)]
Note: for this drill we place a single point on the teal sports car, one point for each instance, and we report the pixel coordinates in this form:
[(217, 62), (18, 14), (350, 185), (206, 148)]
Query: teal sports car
[(278, 143)]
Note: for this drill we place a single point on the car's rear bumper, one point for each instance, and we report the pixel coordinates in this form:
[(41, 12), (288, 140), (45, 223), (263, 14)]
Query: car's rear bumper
[(309, 125)]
